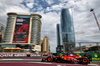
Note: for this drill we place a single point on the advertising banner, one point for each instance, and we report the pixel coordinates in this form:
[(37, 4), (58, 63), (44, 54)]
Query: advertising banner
[(21, 32), (18, 55), (95, 56)]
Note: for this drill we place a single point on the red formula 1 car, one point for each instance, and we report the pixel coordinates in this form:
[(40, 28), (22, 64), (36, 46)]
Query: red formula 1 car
[(67, 58)]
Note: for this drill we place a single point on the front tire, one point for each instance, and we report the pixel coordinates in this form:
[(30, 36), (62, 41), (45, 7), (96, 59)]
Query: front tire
[(49, 59)]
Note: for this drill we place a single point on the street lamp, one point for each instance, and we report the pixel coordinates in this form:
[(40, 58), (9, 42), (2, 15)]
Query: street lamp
[(92, 10)]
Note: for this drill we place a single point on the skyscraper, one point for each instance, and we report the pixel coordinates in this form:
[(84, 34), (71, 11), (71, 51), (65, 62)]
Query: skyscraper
[(67, 29), (59, 39)]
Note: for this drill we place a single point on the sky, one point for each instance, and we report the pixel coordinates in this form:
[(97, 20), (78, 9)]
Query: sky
[(85, 26)]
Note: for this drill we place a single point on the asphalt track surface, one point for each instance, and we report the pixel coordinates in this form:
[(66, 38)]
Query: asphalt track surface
[(37, 62), (40, 64)]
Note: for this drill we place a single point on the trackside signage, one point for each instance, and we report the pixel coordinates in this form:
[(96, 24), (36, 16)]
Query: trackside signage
[(19, 55), (95, 56)]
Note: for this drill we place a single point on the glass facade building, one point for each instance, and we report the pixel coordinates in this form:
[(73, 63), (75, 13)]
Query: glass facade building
[(59, 39), (58, 34), (67, 29)]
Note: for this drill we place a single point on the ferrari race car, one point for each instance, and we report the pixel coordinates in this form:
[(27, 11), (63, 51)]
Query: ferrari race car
[(68, 58)]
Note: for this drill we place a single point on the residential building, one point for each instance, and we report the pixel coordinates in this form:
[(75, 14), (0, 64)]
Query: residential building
[(45, 45)]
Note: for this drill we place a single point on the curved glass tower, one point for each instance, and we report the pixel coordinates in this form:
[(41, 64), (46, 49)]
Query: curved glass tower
[(67, 28)]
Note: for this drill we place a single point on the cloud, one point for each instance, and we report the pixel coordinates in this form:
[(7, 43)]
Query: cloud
[(84, 22), (30, 5), (63, 1), (12, 6), (56, 7), (50, 1), (28, 1)]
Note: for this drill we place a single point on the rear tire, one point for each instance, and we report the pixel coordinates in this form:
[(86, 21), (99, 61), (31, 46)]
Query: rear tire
[(84, 60)]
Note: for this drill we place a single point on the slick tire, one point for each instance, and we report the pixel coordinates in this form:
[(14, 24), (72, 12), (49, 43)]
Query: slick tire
[(49, 59), (85, 60)]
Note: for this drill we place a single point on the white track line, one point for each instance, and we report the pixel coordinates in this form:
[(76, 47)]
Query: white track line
[(59, 65), (40, 62), (28, 62), (12, 59), (93, 64)]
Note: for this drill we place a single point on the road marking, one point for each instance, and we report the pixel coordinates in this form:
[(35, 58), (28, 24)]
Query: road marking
[(31, 59), (12, 59), (41, 62), (28, 62), (75, 64), (58, 65), (93, 64)]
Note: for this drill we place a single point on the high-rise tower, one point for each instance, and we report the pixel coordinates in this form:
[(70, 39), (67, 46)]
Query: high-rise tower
[(59, 39), (67, 28)]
